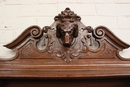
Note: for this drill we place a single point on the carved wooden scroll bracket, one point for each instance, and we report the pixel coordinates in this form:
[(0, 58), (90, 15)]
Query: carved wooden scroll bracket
[(66, 44)]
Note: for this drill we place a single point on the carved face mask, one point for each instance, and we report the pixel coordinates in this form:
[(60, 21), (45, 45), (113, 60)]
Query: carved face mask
[(67, 32)]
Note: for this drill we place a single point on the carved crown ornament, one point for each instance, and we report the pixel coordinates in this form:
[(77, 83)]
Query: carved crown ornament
[(67, 39)]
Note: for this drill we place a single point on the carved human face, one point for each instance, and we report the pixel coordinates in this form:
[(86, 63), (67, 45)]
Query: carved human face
[(68, 31)]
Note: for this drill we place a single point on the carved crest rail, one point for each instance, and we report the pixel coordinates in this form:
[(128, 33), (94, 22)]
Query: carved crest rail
[(67, 48)]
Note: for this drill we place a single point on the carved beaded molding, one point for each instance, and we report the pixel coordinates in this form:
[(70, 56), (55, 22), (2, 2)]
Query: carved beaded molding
[(67, 39)]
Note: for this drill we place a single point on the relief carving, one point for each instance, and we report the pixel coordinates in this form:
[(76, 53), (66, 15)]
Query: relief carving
[(44, 53), (67, 39), (67, 36)]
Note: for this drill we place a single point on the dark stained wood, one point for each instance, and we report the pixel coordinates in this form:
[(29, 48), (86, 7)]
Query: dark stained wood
[(67, 53), (102, 82)]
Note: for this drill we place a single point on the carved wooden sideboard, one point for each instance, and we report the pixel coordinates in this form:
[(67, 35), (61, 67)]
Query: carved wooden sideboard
[(67, 54)]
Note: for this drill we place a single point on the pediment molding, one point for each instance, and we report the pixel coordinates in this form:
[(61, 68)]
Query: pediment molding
[(66, 46)]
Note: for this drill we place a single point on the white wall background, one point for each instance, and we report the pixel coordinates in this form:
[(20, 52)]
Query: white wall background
[(17, 15)]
